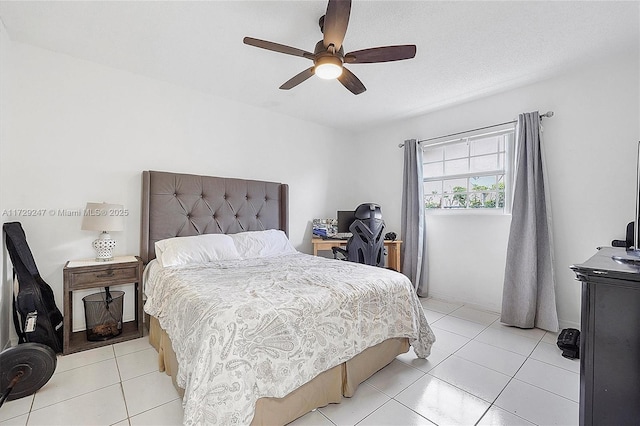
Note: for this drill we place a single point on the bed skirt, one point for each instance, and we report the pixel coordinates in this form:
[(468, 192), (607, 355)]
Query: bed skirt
[(327, 387)]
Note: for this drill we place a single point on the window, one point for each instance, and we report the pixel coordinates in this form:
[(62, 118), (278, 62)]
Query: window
[(472, 172)]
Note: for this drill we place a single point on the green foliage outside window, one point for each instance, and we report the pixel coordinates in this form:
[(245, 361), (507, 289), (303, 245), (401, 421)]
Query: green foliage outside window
[(480, 196)]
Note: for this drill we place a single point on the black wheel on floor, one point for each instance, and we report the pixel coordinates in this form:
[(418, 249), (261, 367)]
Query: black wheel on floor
[(24, 369)]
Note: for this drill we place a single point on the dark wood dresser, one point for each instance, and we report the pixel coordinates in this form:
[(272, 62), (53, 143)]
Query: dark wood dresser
[(610, 338)]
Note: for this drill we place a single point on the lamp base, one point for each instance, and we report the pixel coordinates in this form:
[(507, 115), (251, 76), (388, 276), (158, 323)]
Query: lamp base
[(104, 246)]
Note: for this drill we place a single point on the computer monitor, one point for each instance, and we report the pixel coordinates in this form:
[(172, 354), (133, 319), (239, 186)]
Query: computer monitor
[(345, 219)]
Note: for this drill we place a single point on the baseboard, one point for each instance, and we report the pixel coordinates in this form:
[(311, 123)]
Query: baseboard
[(469, 303), (562, 324), (568, 324)]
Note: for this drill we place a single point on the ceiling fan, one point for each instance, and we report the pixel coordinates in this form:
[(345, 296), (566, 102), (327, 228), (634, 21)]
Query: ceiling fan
[(329, 57)]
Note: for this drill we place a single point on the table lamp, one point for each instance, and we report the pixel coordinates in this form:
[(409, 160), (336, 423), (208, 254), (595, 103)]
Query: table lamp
[(103, 217)]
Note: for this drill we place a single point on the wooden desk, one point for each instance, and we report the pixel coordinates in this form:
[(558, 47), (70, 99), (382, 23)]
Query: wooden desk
[(393, 249)]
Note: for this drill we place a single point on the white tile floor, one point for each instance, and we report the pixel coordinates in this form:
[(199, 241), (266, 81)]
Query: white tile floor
[(479, 373)]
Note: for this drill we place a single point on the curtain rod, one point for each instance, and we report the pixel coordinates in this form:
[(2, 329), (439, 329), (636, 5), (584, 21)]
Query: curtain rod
[(548, 114)]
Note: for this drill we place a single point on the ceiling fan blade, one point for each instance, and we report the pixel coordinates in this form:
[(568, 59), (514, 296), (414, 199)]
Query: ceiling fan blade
[(351, 82), (336, 20), (280, 48), (297, 79), (381, 54)]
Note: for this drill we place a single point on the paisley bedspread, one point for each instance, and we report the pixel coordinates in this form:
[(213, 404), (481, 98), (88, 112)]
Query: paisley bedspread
[(243, 330)]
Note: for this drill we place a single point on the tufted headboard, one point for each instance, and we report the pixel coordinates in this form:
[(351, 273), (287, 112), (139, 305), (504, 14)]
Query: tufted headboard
[(180, 205)]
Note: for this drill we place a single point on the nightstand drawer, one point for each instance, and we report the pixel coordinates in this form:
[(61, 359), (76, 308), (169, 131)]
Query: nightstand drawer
[(108, 275)]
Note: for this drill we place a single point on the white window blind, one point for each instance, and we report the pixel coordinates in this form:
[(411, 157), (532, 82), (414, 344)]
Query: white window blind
[(473, 172)]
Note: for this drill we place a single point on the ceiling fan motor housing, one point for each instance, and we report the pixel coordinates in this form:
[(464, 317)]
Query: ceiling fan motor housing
[(321, 51)]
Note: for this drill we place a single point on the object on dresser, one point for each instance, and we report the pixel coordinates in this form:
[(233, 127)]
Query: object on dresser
[(628, 241), (36, 317), (325, 228), (633, 238), (569, 343), (390, 236)]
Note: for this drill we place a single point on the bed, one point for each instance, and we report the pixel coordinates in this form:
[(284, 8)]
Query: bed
[(250, 330)]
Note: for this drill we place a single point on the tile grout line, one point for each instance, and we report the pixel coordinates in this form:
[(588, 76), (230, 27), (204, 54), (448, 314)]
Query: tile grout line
[(530, 384), (511, 377), (124, 397), (447, 357)]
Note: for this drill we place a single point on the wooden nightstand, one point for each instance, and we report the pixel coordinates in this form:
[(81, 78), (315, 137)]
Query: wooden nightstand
[(87, 274)]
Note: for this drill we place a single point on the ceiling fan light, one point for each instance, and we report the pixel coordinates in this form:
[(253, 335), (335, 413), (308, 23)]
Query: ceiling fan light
[(328, 68)]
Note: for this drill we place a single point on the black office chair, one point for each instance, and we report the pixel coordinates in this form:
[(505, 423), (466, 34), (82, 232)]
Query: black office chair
[(366, 245)]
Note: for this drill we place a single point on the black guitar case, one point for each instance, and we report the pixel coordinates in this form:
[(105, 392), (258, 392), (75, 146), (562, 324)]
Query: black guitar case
[(36, 317)]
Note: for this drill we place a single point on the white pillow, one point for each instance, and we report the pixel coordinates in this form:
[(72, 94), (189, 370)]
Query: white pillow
[(267, 243), (197, 249)]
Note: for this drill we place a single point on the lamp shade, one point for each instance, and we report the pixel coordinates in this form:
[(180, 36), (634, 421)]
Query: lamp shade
[(103, 217)]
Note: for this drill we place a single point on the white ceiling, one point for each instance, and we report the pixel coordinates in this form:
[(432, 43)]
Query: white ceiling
[(465, 49)]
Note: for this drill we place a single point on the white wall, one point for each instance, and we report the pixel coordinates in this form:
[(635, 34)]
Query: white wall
[(84, 132), (5, 87), (591, 157)]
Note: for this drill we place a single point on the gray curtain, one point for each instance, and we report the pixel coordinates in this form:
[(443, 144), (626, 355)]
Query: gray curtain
[(528, 298), (413, 235)]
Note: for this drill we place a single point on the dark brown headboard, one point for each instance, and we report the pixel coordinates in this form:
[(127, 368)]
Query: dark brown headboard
[(180, 205)]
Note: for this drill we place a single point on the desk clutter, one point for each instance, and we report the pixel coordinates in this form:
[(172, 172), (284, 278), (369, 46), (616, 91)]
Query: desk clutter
[(325, 228), (339, 229)]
